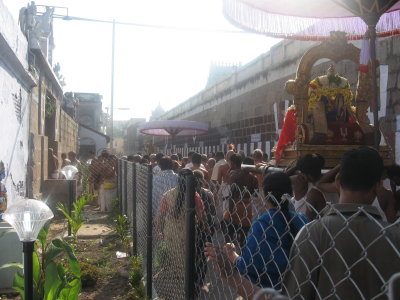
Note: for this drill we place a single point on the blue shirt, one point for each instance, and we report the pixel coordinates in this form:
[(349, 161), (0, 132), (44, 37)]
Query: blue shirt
[(265, 256)]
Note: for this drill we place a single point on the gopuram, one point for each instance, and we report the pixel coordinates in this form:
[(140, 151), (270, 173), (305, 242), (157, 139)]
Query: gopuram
[(326, 117)]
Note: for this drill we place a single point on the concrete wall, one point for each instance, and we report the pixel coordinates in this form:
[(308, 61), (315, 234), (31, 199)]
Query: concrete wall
[(9, 29), (15, 87), (11, 251)]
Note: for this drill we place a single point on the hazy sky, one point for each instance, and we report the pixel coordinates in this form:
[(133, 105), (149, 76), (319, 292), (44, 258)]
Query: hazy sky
[(151, 65)]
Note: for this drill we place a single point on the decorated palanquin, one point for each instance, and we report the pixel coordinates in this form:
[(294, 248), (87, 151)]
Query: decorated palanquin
[(326, 117)]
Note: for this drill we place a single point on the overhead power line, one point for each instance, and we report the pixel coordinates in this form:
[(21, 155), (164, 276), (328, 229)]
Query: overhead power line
[(151, 26)]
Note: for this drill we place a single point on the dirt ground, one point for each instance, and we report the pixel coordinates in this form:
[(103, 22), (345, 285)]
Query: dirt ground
[(97, 245), (111, 285)]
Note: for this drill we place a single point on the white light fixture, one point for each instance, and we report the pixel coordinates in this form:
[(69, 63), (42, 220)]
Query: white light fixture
[(27, 217), (69, 172)]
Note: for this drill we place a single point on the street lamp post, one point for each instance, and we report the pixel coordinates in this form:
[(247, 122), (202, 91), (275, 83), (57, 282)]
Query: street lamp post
[(112, 88), (69, 173), (27, 217)]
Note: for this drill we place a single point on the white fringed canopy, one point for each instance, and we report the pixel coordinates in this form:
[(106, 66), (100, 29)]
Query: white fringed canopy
[(308, 19)]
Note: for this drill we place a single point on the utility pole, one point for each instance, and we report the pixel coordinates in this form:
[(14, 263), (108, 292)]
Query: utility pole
[(112, 89)]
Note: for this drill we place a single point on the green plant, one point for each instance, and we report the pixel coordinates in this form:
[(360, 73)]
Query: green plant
[(76, 217), (89, 274), (136, 294), (160, 255), (101, 262), (115, 208), (121, 227), (135, 279), (135, 273), (56, 271)]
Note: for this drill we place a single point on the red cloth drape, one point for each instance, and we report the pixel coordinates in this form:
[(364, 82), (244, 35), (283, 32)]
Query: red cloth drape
[(288, 133)]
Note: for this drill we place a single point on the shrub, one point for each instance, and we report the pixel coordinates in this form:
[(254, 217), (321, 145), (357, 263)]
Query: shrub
[(135, 294), (121, 227), (89, 274), (116, 210), (135, 279)]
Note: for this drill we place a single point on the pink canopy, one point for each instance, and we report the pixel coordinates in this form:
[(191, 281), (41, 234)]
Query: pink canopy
[(309, 19), (173, 128)]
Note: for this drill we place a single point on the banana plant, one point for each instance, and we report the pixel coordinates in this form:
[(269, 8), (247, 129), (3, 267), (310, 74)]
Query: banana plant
[(52, 278)]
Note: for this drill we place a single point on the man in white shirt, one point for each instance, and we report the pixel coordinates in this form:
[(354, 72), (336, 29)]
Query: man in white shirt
[(220, 158)]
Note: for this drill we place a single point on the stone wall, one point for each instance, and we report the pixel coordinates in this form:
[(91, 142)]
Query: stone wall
[(69, 131), (50, 127)]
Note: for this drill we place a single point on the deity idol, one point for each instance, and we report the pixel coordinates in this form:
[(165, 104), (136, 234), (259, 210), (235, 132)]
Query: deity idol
[(329, 102)]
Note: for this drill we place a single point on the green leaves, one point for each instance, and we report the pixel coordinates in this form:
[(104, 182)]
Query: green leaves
[(42, 236), (12, 265), (60, 280), (36, 269), (19, 284), (71, 291), (121, 227), (75, 219), (53, 278), (52, 282), (69, 252)]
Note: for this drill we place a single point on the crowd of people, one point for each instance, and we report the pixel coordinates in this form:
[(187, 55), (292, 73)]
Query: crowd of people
[(307, 233), (101, 175)]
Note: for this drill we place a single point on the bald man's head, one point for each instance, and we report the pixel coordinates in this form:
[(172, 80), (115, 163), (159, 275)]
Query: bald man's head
[(229, 154)]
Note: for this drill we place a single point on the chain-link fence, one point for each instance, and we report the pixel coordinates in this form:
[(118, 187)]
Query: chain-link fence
[(245, 240)]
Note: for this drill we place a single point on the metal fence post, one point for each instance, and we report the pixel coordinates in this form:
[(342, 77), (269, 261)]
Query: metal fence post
[(190, 238), (134, 216), (149, 254), (392, 286), (71, 200), (120, 180), (125, 203)]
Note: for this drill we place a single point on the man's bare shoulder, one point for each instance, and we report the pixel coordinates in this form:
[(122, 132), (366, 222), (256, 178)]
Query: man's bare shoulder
[(224, 168)]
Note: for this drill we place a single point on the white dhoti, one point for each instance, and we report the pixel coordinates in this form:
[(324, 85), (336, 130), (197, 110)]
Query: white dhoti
[(107, 192)]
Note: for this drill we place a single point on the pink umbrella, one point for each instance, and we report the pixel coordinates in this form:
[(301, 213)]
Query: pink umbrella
[(315, 19), (174, 128)]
